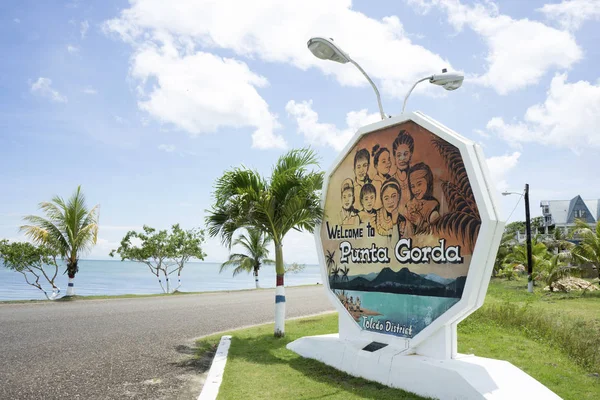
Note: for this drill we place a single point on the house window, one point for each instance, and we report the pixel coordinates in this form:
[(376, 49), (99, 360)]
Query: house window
[(545, 210), (579, 213)]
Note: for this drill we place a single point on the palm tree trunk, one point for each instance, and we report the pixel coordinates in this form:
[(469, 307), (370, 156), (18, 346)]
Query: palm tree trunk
[(71, 271), (279, 292), (256, 278), (71, 286)]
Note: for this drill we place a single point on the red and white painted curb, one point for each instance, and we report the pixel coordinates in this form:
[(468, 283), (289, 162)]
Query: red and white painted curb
[(210, 390)]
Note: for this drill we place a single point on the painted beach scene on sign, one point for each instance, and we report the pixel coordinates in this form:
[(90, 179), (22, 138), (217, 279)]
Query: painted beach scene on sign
[(399, 229)]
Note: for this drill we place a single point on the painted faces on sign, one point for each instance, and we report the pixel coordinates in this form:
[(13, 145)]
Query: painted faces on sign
[(347, 198), (384, 163), (404, 236), (403, 156), (367, 197), (361, 166), (418, 184), (390, 198)]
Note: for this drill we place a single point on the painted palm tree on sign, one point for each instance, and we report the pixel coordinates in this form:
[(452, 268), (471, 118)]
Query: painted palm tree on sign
[(288, 199), (335, 273), (330, 261), (344, 272), (254, 244), (70, 228)]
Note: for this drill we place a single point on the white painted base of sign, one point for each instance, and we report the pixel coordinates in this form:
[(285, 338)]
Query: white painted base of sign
[(463, 377)]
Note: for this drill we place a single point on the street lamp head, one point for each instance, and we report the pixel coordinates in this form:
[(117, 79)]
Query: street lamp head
[(325, 49), (448, 80), (506, 193)]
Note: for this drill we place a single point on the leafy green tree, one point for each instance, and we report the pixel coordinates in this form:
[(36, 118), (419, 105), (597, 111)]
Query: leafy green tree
[(35, 263), (289, 199), (588, 249), (514, 227), (294, 268), (69, 229), (254, 244), (163, 252)]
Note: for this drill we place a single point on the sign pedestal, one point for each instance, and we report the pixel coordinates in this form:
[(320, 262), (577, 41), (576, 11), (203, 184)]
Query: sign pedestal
[(463, 377), (407, 247)]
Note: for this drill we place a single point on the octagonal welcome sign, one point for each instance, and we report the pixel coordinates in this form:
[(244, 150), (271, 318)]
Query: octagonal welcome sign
[(407, 246), (401, 223)]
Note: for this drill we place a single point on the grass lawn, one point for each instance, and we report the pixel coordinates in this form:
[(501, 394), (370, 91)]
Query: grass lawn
[(513, 325)]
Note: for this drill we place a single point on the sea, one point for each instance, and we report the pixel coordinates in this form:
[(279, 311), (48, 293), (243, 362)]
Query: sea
[(112, 277)]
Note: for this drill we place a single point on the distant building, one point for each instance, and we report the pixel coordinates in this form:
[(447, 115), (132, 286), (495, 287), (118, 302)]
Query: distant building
[(563, 213)]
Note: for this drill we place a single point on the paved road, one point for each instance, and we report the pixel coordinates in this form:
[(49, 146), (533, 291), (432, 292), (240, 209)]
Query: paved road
[(124, 348)]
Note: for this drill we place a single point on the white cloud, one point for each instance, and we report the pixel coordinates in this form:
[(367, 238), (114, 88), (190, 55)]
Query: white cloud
[(72, 49), (90, 90), (169, 148), (299, 247), (43, 87), (571, 14), (201, 92), (277, 31), (520, 51), (499, 166), (323, 134), (83, 28), (102, 249), (569, 118)]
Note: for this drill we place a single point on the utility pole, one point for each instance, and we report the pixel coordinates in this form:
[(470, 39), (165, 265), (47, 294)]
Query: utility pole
[(529, 255)]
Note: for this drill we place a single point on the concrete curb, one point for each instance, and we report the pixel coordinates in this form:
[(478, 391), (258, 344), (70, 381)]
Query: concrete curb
[(210, 390)]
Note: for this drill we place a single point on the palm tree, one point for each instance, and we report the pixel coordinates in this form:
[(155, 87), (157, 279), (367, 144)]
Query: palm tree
[(539, 255), (255, 245), (558, 242), (289, 199), (588, 249), (506, 244), (558, 269), (69, 228)]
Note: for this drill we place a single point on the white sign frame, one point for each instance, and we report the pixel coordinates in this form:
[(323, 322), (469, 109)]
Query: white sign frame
[(439, 338)]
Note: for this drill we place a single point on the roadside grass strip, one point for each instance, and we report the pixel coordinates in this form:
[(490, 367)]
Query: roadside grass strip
[(558, 349)]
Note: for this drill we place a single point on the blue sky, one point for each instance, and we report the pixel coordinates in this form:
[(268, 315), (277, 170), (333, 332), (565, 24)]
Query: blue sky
[(145, 103)]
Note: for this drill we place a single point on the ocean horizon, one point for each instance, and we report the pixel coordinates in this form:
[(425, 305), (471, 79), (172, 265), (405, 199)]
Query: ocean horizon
[(114, 277)]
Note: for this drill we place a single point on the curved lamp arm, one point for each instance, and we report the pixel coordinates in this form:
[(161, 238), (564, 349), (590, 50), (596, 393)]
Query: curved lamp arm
[(372, 85), (411, 89)]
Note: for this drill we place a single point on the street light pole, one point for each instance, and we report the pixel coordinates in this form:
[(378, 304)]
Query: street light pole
[(528, 233), (529, 253), (326, 49)]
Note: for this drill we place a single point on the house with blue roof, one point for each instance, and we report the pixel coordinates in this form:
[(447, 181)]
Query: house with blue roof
[(563, 213)]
